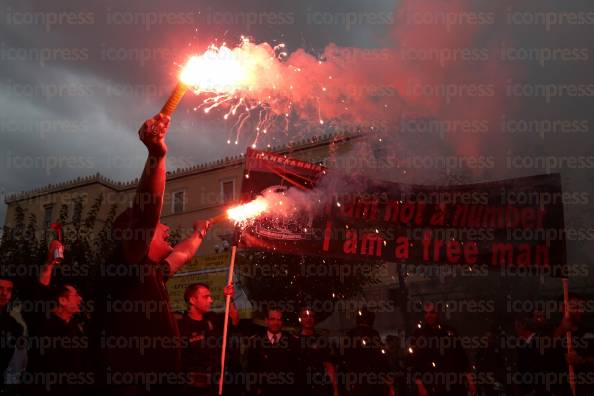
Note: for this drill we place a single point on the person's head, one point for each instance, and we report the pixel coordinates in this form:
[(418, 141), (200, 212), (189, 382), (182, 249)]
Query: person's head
[(160, 247), (274, 321), (307, 318), (5, 292), (430, 314), (68, 299), (198, 297)]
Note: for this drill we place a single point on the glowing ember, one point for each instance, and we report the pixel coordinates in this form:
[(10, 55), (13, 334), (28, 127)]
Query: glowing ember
[(218, 70), (259, 87), (263, 89), (248, 211), (275, 204), (233, 77)]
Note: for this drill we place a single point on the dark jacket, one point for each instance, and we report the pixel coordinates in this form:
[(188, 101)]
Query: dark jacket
[(10, 332), (272, 369)]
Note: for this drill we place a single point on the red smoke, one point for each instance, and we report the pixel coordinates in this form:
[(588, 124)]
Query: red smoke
[(439, 62)]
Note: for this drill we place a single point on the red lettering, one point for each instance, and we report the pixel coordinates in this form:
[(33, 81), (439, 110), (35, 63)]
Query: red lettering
[(453, 250), (327, 236)]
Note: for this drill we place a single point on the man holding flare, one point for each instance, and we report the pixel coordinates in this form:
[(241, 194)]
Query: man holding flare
[(139, 349)]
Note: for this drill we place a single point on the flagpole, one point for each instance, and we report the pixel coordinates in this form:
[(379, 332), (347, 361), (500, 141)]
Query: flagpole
[(227, 309), (568, 335)]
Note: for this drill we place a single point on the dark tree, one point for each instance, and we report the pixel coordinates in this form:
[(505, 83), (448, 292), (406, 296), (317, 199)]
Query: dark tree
[(87, 243)]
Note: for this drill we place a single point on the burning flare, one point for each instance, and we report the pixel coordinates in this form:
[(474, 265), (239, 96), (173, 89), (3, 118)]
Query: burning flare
[(254, 86), (248, 211), (218, 70), (262, 89)]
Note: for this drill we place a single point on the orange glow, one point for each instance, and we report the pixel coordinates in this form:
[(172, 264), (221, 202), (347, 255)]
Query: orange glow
[(255, 86), (248, 211), (218, 70)]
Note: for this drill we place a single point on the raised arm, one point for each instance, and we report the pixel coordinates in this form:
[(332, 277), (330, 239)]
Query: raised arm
[(53, 258), (186, 249), (148, 201)]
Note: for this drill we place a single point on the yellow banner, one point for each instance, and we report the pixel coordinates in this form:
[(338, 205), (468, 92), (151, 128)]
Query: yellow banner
[(199, 263)]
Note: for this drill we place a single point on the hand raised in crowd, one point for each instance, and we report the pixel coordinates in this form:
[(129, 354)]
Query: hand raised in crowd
[(55, 253), (152, 134), (229, 291), (201, 226)]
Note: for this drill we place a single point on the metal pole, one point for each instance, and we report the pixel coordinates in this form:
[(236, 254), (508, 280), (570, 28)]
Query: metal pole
[(568, 335), (226, 325)]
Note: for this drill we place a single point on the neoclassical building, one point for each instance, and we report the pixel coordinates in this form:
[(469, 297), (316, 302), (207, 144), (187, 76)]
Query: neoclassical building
[(198, 192)]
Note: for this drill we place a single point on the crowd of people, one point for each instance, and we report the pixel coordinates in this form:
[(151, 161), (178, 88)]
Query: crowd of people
[(130, 342), (64, 358), (60, 352)]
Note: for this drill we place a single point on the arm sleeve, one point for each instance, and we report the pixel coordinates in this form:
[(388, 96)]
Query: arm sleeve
[(36, 300), (165, 270), (11, 331)]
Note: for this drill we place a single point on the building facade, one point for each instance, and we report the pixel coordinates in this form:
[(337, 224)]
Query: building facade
[(199, 192)]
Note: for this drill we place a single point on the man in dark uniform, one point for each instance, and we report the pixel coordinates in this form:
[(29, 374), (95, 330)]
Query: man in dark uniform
[(60, 349), (272, 360), (10, 332), (202, 331), (366, 361), (439, 363), (317, 372), (492, 363), (581, 356), (138, 349), (38, 297), (529, 359)]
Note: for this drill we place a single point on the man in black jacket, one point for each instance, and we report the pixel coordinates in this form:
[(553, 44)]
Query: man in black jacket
[(139, 348), (59, 354), (272, 360), (317, 370), (580, 355), (438, 359), (10, 330), (529, 359), (366, 361), (58, 345), (202, 333)]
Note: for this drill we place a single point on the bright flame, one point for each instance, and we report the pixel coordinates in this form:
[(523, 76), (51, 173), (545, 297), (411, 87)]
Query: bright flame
[(263, 89), (257, 87), (248, 211), (217, 70)]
